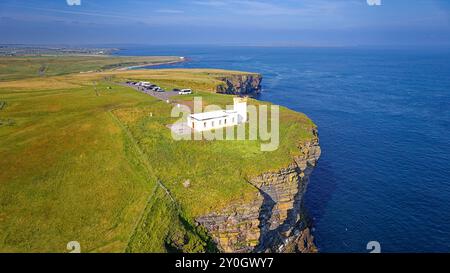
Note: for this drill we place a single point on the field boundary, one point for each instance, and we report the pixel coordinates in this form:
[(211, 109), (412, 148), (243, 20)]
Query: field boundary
[(144, 159)]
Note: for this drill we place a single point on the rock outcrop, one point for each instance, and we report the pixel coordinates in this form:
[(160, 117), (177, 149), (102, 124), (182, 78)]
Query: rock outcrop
[(274, 221), (240, 84)]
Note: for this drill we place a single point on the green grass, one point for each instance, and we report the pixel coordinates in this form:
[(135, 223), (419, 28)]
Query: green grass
[(67, 174), (205, 80), (16, 68), (82, 163), (164, 229), (218, 168)]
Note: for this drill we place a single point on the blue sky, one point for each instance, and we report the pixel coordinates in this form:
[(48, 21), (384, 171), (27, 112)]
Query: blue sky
[(228, 22)]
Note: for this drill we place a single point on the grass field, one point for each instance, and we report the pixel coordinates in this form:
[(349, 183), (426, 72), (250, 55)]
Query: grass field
[(17, 68), (81, 162)]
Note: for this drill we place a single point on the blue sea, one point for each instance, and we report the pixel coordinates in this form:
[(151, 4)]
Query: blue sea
[(384, 122)]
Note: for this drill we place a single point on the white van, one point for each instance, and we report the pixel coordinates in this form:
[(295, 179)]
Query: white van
[(185, 92), (142, 84)]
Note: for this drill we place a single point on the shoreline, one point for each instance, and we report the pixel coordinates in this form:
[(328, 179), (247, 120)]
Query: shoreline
[(181, 60)]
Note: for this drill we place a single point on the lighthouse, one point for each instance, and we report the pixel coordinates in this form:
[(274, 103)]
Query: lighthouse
[(240, 106), (221, 118)]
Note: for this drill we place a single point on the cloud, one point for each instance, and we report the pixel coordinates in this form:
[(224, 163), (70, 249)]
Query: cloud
[(73, 2), (172, 11), (211, 3), (93, 14), (273, 8), (249, 7), (374, 2)]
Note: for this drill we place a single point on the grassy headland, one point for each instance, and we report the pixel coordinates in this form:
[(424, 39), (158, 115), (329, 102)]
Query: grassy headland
[(82, 162), (16, 68)]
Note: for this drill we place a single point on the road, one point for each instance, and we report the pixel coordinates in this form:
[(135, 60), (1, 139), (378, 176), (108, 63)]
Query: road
[(179, 128), (159, 95)]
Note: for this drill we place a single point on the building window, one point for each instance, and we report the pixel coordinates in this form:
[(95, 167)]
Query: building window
[(204, 124), (232, 120), (212, 123), (225, 121), (220, 122)]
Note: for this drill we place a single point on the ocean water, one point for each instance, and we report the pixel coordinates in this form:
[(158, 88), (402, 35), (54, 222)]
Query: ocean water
[(384, 124)]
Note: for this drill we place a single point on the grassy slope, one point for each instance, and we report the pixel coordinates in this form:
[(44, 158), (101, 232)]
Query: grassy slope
[(84, 165), (68, 172)]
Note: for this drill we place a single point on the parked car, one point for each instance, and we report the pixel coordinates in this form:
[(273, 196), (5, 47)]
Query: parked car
[(159, 89), (185, 91)]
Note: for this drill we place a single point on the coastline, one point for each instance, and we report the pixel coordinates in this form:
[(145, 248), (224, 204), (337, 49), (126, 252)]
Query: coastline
[(287, 183), (181, 60)]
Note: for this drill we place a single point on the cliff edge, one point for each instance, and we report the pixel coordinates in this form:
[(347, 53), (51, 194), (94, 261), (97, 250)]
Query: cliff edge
[(275, 220), (240, 84)]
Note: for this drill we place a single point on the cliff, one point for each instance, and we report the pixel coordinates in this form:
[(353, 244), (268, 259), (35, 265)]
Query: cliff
[(240, 84), (274, 221)]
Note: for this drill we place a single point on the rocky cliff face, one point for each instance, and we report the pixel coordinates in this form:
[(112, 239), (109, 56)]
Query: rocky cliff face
[(275, 220), (244, 84)]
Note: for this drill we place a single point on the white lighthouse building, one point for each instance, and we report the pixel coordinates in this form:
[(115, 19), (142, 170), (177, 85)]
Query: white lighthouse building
[(221, 118)]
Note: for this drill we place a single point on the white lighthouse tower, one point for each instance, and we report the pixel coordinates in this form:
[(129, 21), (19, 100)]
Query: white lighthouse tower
[(240, 106)]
